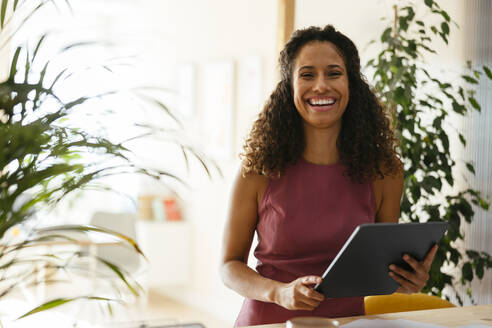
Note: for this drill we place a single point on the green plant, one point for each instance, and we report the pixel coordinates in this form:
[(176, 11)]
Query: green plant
[(420, 104), (42, 160)]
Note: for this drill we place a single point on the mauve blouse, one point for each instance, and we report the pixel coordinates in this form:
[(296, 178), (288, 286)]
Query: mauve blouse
[(305, 217)]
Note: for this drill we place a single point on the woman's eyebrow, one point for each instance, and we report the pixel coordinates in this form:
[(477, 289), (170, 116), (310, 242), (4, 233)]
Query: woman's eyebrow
[(305, 67), (328, 66)]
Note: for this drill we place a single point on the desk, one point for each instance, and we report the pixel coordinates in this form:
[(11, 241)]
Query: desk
[(448, 317)]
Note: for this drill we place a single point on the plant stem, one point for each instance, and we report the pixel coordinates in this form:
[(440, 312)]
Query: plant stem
[(395, 8), (394, 119)]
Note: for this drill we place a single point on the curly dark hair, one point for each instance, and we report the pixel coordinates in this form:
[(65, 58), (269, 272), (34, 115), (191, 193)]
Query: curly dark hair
[(366, 143)]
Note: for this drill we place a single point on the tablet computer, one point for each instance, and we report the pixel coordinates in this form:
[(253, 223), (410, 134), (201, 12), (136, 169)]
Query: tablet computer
[(361, 267)]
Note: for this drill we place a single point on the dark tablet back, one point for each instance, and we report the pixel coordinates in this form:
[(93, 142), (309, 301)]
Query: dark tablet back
[(361, 267)]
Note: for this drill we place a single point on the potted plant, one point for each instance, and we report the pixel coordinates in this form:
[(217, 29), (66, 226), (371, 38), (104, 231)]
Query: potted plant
[(421, 104), (42, 161)]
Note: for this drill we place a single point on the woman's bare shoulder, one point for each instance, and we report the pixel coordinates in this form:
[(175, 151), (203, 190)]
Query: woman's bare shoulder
[(390, 185), (387, 193), (252, 182), (251, 177)]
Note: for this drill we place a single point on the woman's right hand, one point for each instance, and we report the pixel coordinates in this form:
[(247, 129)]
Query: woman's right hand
[(299, 294)]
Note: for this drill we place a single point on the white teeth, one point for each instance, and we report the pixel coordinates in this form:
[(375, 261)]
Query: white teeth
[(321, 102)]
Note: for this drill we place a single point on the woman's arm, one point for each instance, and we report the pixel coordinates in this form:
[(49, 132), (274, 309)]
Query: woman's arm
[(238, 236), (390, 190)]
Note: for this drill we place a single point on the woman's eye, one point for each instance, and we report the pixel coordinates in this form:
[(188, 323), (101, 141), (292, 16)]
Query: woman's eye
[(306, 75), (334, 74)]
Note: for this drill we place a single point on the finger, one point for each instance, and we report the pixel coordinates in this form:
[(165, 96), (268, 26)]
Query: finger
[(402, 290), (307, 301), (411, 276), (311, 280), (405, 284), (430, 257), (405, 287), (304, 306), (311, 293), (414, 264)]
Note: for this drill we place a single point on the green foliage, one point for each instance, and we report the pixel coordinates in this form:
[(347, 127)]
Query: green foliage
[(60, 301), (420, 104), (41, 156)]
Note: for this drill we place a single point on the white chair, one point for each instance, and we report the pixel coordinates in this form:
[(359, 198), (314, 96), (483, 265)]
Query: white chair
[(122, 255)]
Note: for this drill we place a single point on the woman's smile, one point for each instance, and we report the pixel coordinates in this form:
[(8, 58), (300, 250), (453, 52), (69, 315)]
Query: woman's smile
[(322, 104)]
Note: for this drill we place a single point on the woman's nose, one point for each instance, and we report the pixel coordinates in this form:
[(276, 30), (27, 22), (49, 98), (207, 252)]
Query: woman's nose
[(320, 85)]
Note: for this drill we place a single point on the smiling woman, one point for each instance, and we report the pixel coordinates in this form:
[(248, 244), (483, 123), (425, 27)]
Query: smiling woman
[(320, 160), (322, 63)]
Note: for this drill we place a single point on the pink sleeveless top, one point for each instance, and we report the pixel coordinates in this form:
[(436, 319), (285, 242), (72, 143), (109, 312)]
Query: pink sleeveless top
[(305, 217)]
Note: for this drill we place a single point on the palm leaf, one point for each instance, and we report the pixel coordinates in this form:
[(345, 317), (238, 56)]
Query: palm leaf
[(13, 67), (26, 73), (3, 12), (43, 73), (157, 174), (121, 275), (60, 301), (67, 2), (38, 45), (201, 158), (35, 241), (161, 106), (11, 35), (57, 78), (48, 305), (185, 156), (88, 228), (81, 44)]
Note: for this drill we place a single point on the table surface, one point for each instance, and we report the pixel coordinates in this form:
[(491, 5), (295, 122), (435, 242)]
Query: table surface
[(448, 317)]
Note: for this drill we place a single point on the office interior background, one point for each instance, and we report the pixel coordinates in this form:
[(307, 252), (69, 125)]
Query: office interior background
[(216, 60)]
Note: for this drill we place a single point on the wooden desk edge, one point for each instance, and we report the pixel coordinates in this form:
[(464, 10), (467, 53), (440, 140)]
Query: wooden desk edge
[(448, 317)]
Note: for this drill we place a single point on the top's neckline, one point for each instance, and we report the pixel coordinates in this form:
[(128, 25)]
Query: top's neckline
[(320, 165)]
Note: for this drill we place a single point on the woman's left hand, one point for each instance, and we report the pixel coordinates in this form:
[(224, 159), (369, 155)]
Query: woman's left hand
[(413, 282)]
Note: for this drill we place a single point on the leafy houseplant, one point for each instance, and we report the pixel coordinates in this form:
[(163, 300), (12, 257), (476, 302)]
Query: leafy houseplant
[(42, 160), (420, 105)]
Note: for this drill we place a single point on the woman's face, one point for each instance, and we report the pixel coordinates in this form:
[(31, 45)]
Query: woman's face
[(320, 85)]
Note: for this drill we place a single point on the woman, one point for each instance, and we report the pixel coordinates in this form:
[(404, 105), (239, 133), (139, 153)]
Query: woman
[(320, 160)]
